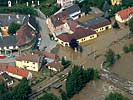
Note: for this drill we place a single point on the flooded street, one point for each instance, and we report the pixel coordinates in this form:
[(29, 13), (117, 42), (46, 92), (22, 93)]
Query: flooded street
[(124, 67), (91, 49), (114, 39), (97, 91)]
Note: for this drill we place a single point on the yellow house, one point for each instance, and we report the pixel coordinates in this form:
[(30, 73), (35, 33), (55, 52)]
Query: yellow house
[(116, 2), (101, 29), (29, 61), (81, 35), (98, 24)]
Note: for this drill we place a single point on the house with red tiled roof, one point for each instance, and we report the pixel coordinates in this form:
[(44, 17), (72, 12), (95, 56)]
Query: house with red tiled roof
[(30, 61), (15, 72), (18, 73), (124, 15)]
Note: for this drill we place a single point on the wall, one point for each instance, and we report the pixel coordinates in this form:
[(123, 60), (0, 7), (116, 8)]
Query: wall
[(118, 18), (79, 40), (87, 38), (28, 65), (14, 75), (101, 29)]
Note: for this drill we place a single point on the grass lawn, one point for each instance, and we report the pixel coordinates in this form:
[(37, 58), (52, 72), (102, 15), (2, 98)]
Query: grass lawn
[(49, 7), (46, 73)]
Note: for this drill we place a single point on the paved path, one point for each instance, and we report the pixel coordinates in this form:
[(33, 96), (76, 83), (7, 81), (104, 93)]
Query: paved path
[(46, 42)]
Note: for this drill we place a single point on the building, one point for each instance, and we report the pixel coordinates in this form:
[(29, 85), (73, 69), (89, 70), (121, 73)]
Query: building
[(8, 43), (30, 61), (7, 79), (81, 35), (55, 66), (116, 2), (124, 15), (74, 11), (98, 24), (18, 73), (64, 3), (24, 36), (15, 72), (56, 22)]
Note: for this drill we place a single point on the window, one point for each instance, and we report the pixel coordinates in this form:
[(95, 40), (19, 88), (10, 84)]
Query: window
[(107, 27)]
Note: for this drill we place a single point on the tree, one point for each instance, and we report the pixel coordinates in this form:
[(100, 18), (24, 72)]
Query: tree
[(126, 49), (73, 43), (48, 96), (131, 25), (63, 95), (21, 91), (106, 6), (131, 47), (110, 57), (13, 27), (4, 93), (116, 25), (65, 62), (86, 8), (78, 78), (115, 96)]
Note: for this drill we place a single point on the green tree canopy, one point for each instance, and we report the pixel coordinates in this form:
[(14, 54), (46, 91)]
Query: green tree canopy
[(4, 93), (48, 96), (63, 95), (131, 25), (78, 78), (116, 96), (21, 91), (110, 57), (13, 27)]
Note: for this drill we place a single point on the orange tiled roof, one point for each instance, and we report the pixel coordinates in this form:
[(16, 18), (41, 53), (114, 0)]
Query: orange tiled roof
[(125, 13), (17, 71)]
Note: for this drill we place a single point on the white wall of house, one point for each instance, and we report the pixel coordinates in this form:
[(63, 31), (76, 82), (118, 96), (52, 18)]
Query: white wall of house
[(75, 15), (29, 76), (119, 19), (14, 75), (53, 69), (33, 66)]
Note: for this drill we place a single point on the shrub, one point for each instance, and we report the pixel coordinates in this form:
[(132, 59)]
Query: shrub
[(13, 27), (126, 49), (131, 47), (20, 10)]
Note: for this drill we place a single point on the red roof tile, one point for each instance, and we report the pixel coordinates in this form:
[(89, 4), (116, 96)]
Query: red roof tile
[(125, 13), (17, 71)]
